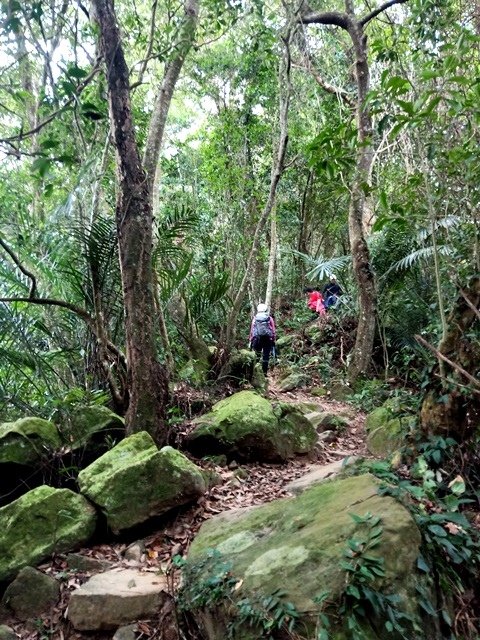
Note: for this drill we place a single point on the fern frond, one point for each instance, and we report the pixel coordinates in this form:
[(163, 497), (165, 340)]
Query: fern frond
[(420, 254), (325, 267)]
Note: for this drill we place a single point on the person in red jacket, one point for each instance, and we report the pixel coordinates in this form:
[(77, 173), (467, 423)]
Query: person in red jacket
[(315, 301), (262, 335)]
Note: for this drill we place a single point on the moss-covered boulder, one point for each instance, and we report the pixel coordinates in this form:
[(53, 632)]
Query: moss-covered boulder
[(246, 426), (286, 341), (31, 593), (298, 544), (326, 421), (385, 430), (377, 418), (25, 441), (41, 522), (91, 425), (292, 381), (339, 391), (135, 481), (386, 439)]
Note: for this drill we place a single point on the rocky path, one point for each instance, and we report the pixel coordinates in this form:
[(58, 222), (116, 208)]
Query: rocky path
[(238, 486)]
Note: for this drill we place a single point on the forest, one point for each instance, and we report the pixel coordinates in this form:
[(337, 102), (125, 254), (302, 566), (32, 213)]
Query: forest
[(168, 171)]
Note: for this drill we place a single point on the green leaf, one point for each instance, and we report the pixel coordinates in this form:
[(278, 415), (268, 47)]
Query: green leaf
[(422, 565), (437, 530), (41, 166)]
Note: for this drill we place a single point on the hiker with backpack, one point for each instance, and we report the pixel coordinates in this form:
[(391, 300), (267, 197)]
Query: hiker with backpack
[(331, 292), (315, 301), (262, 335)]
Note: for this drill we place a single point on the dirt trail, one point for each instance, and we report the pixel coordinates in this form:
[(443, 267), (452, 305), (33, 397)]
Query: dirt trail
[(240, 485)]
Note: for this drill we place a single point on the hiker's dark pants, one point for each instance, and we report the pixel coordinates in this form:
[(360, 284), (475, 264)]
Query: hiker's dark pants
[(263, 347)]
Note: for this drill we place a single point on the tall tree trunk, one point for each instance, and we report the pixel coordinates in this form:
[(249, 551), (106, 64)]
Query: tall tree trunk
[(271, 261), (156, 132), (367, 297), (147, 381)]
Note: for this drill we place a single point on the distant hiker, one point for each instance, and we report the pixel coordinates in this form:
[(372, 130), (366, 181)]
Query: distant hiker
[(315, 300), (262, 335), (331, 292)]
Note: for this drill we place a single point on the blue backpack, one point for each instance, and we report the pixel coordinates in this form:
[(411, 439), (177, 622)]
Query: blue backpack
[(262, 326)]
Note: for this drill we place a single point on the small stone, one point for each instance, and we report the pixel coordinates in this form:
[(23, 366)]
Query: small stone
[(135, 551), (126, 633), (233, 465), (241, 473), (327, 436)]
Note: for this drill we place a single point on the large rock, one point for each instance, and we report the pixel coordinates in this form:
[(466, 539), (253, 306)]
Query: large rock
[(247, 426), (90, 424), (114, 598), (42, 522), (293, 381), (27, 440), (385, 432), (135, 481), (324, 421), (298, 544), (31, 593)]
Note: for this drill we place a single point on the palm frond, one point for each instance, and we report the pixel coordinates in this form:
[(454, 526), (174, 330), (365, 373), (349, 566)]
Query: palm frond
[(171, 278), (448, 222), (325, 267), (202, 295), (416, 256)]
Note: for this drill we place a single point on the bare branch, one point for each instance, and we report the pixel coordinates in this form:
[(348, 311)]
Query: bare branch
[(24, 270), (454, 365), (150, 44), (383, 7), (308, 66)]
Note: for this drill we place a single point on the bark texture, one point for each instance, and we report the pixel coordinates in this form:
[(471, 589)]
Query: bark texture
[(358, 211), (146, 379), (449, 407)]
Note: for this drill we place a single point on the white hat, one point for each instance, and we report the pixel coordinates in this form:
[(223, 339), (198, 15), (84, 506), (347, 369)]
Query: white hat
[(333, 277), (262, 308)]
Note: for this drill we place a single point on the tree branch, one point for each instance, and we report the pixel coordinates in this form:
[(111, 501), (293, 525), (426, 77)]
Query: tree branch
[(24, 270), (454, 365), (329, 17), (383, 7), (470, 303), (340, 93)]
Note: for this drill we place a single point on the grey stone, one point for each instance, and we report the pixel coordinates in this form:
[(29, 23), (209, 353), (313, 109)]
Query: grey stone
[(135, 551), (79, 562), (31, 593), (319, 473), (126, 633), (115, 598), (327, 436)]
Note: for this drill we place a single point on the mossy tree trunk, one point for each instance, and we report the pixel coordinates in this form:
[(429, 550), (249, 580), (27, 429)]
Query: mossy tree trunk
[(452, 405), (146, 379)]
